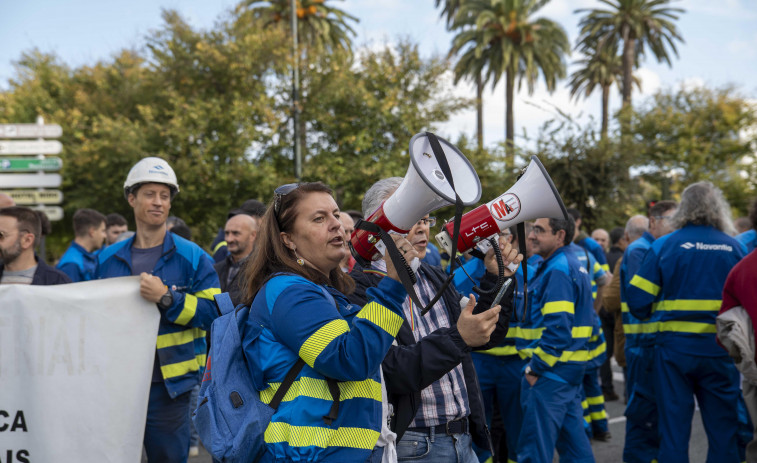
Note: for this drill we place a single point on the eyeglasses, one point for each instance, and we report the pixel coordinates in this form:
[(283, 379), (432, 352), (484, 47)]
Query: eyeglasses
[(540, 231), (661, 217), (278, 193), (4, 235), (431, 221)]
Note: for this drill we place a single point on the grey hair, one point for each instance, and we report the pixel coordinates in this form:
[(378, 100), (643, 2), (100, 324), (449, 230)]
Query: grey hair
[(636, 226), (702, 203), (378, 193)]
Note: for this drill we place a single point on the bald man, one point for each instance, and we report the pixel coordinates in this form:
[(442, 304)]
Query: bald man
[(6, 201), (601, 236), (239, 233)]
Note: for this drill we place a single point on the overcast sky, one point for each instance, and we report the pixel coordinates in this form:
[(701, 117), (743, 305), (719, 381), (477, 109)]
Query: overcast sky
[(720, 47)]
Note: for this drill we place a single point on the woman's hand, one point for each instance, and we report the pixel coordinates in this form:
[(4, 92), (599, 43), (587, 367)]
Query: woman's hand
[(408, 252), (509, 255)]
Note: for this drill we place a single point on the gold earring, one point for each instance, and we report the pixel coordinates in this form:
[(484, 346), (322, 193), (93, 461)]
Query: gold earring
[(300, 260)]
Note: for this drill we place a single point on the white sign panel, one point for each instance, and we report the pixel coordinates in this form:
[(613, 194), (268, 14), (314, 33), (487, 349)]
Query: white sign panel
[(75, 370), (53, 213), (30, 131), (30, 147), (30, 180)]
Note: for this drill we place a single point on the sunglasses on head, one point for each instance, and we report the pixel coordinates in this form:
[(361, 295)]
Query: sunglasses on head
[(279, 193)]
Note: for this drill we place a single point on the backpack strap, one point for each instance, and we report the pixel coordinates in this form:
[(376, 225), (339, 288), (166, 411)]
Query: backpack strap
[(287, 383), (223, 303)]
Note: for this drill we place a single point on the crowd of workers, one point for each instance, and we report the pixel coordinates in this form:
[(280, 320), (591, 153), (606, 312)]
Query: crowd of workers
[(429, 383)]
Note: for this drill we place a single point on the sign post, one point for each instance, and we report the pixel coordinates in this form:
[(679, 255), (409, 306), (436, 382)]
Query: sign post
[(23, 165)]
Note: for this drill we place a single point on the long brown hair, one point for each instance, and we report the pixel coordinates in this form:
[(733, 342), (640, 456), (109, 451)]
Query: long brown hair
[(271, 256)]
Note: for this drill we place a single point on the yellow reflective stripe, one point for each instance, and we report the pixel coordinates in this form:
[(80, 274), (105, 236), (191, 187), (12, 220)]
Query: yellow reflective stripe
[(381, 317), (202, 359), (558, 306), (581, 331), (524, 333), (598, 267), (314, 345), (199, 333), (641, 328), (175, 339), (190, 307), (687, 327), (219, 246), (504, 350), (595, 416), (177, 369), (606, 267), (319, 389), (587, 419), (593, 294), (671, 326), (599, 350), (624, 307), (584, 404), (645, 285), (208, 293), (306, 436), (489, 460), (694, 305), (598, 400), (547, 358)]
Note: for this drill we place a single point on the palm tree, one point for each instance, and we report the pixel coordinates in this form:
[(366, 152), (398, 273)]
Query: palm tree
[(319, 25), (450, 9), (637, 24), (601, 67), (499, 37)]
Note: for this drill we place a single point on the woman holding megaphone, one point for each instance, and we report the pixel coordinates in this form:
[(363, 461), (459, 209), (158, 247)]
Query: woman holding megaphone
[(296, 287)]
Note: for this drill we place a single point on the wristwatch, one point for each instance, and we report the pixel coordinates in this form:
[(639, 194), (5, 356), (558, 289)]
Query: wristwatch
[(530, 372), (166, 300)]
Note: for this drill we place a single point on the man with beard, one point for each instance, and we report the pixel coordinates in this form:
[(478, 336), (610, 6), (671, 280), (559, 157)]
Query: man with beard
[(20, 229)]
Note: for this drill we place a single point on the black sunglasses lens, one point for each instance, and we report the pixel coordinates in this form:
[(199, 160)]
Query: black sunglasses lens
[(284, 190)]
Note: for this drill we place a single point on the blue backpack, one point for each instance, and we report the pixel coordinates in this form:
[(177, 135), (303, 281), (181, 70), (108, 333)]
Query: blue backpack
[(230, 418)]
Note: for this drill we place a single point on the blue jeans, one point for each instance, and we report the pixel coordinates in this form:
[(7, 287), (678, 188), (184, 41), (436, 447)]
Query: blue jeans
[(194, 438), (436, 448), (167, 430)]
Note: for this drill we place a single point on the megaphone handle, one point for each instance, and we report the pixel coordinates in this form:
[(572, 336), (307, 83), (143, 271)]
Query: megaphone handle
[(521, 230), (500, 268)]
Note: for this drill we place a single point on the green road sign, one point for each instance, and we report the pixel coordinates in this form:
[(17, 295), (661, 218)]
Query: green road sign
[(29, 164)]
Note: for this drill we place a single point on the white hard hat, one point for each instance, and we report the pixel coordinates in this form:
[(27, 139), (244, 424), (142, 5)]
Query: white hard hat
[(151, 170)]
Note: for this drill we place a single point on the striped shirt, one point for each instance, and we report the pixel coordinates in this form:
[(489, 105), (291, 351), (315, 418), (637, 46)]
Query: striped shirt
[(447, 398)]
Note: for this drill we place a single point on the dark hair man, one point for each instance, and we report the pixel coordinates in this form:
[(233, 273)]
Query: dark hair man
[(80, 259), (678, 288), (20, 230), (115, 224), (559, 305), (178, 276), (240, 233)]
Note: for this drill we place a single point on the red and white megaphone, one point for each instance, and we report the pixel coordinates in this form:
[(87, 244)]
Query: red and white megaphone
[(533, 196), (424, 189)]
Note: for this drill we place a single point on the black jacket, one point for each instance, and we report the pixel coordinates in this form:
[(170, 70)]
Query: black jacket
[(44, 275), (410, 367), (222, 269)]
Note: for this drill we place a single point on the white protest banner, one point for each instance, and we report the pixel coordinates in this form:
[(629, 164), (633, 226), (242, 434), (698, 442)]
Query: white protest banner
[(75, 369)]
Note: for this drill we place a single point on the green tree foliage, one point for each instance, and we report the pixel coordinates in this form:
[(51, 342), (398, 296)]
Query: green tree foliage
[(688, 135), (215, 104), (591, 173), (502, 38), (637, 25)]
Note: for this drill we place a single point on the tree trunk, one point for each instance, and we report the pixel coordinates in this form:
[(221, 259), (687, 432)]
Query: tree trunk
[(509, 123), (629, 49), (605, 110), (479, 112)]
